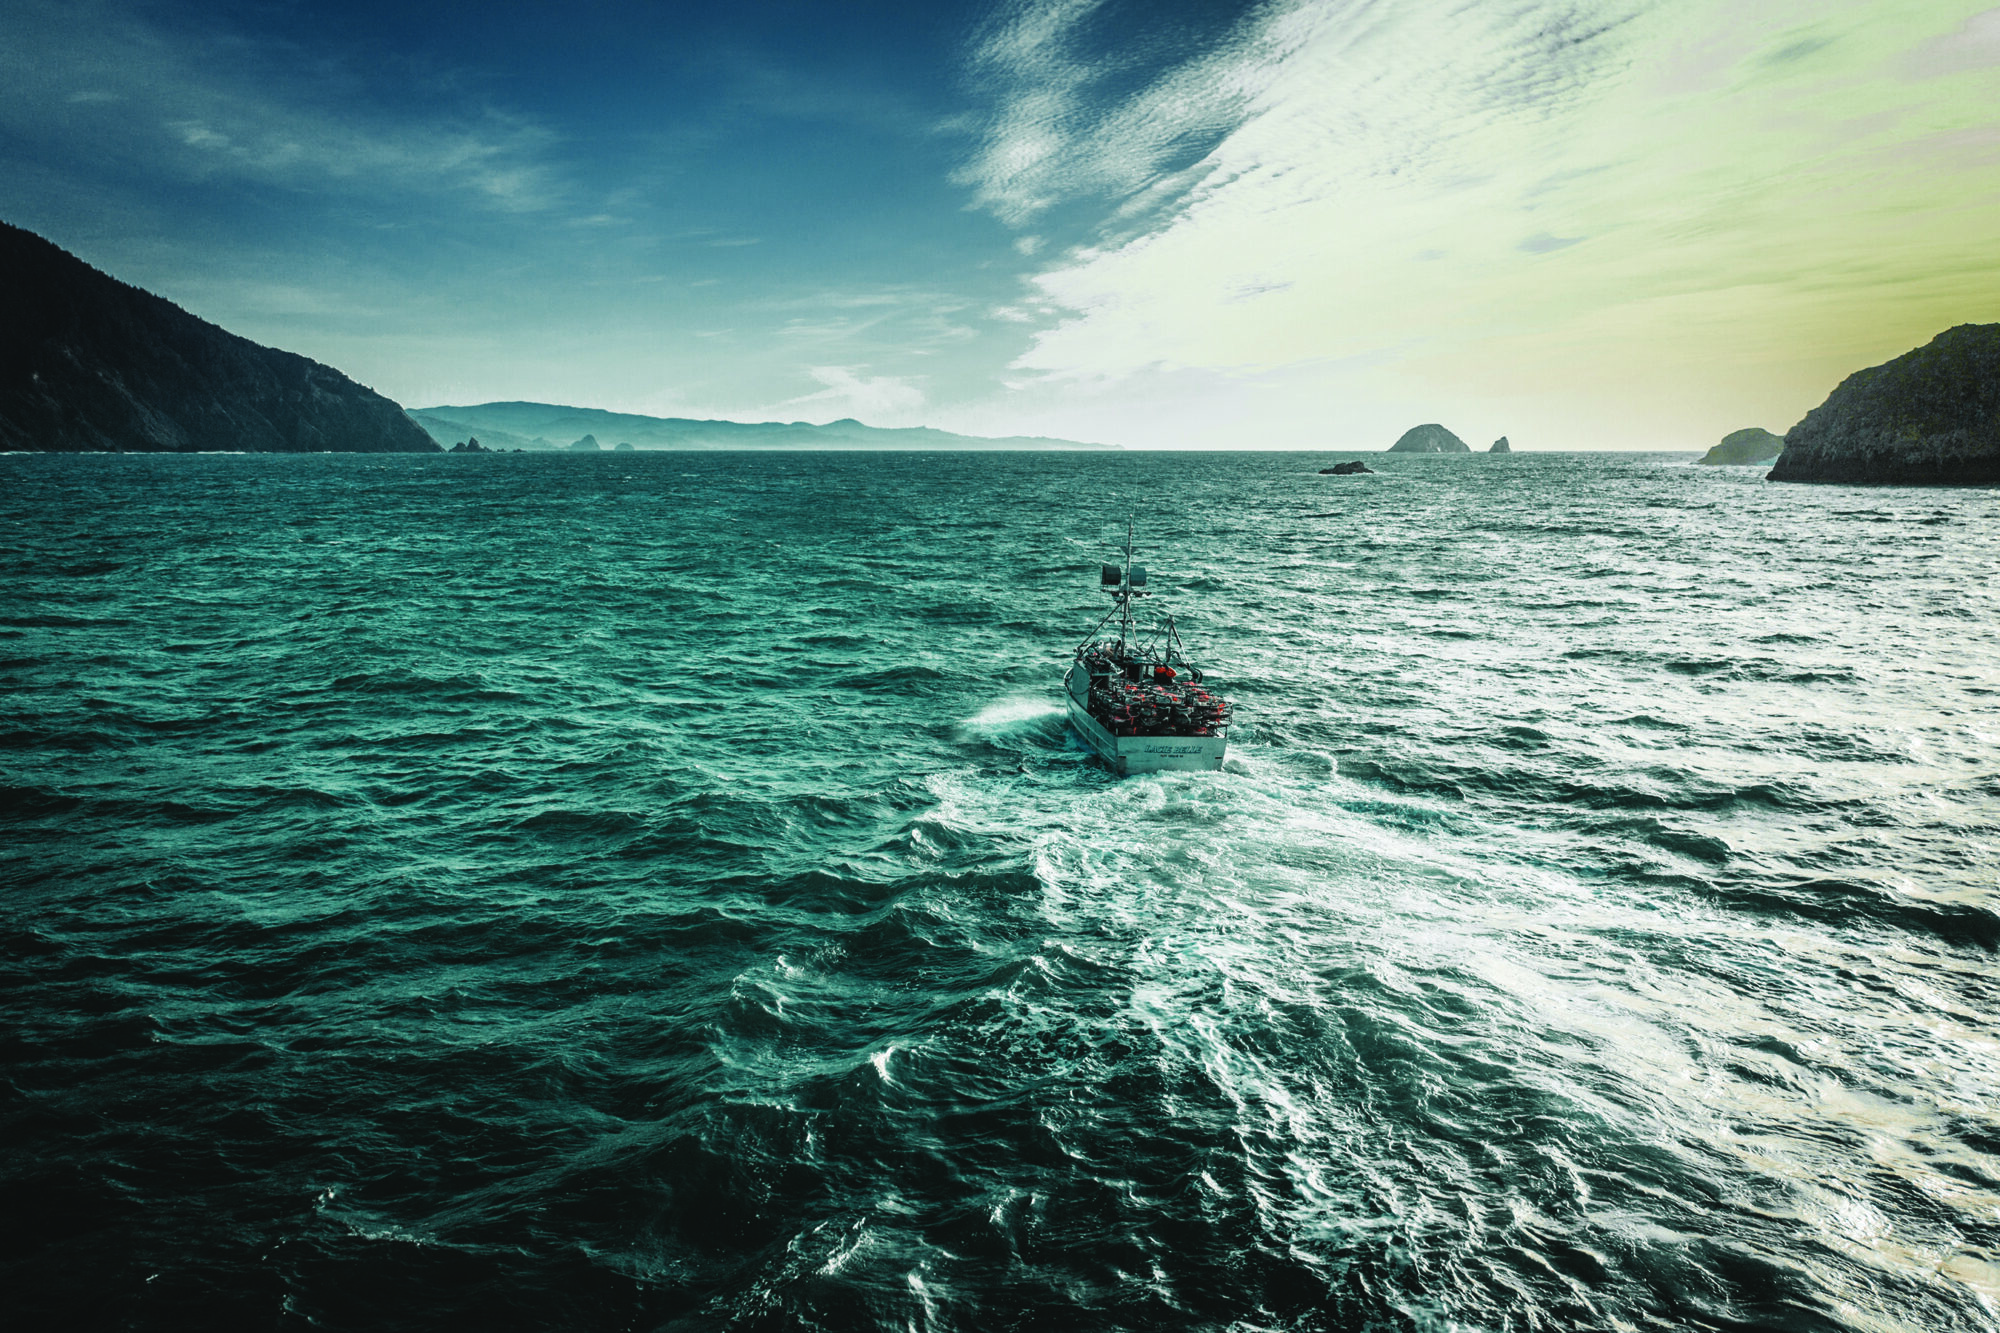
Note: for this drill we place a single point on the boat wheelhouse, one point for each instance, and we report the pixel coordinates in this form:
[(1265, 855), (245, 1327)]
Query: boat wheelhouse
[(1135, 698)]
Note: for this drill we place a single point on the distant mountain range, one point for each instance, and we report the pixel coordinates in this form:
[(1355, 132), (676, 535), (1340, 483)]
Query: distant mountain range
[(550, 426), (89, 364), (92, 364)]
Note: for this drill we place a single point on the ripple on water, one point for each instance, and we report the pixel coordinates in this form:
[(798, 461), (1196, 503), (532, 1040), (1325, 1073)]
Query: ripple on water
[(694, 912)]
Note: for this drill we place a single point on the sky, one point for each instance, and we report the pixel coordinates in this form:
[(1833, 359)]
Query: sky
[(1583, 224)]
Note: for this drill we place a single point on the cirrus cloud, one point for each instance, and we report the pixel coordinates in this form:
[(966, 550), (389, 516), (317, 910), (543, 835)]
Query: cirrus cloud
[(1390, 226)]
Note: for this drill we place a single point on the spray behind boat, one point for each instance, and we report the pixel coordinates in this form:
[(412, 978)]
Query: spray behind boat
[(1136, 699)]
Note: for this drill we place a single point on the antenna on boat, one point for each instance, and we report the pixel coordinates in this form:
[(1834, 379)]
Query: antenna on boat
[(1125, 626), (1123, 582)]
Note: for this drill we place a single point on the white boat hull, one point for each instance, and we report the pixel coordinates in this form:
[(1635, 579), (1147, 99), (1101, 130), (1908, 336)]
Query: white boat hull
[(1141, 754)]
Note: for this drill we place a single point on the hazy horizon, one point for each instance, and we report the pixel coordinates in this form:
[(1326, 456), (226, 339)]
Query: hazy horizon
[(444, 409)]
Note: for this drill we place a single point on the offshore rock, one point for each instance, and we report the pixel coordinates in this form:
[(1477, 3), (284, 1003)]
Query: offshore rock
[(1753, 444), (445, 430), (471, 446), (1345, 469), (1930, 417), (622, 447), (89, 364), (1429, 439), (1500, 446), (587, 445)]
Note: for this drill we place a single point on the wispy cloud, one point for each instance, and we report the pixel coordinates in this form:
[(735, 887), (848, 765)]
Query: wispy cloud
[(1541, 243), (849, 392), (1062, 128), (1394, 209), (1973, 45), (203, 106), (1348, 113), (1335, 86), (914, 321)]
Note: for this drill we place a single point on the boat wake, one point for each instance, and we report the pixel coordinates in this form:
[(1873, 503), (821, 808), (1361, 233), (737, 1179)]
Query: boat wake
[(1012, 717)]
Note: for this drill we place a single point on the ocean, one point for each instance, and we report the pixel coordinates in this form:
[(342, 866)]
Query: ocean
[(658, 891)]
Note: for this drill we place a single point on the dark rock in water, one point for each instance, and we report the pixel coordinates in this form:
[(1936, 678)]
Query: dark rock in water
[(89, 364), (471, 446), (1753, 444), (1931, 417), (1430, 439), (1500, 446), (444, 430), (621, 448), (1345, 469), (587, 445)]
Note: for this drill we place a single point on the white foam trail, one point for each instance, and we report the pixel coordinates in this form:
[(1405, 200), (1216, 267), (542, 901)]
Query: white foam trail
[(1012, 714)]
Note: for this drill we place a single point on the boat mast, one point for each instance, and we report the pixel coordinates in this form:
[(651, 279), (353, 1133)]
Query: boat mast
[(1125, 626)]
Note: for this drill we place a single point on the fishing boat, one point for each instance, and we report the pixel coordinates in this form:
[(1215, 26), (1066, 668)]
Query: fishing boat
[(1136, 699)]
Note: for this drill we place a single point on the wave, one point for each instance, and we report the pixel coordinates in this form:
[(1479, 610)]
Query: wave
[(590, 931)]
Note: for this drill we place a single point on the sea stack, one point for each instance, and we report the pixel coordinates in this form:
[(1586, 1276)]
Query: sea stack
[(1930, 417), (587, 445), (1429, 439), (1500, 446), (1753, 444), (91, 365)]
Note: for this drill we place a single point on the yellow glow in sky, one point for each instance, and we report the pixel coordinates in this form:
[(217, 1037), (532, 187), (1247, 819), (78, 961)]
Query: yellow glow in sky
[(1705, 224)]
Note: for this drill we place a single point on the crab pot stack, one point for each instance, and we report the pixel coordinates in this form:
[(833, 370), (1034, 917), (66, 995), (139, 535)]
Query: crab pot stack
[(1144, 708)]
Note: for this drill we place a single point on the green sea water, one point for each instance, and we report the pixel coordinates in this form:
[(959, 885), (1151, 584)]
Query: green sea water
[(658, 891)]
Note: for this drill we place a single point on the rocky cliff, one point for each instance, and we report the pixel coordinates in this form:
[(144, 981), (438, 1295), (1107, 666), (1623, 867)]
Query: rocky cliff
[(1931, 417), (1430, 439), (1753, 444), (89, 364)]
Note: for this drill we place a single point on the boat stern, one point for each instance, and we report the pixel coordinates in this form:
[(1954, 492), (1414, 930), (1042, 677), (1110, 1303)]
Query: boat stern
[(1140, 754)]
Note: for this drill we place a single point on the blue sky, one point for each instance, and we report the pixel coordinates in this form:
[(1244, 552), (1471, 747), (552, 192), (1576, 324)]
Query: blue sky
[(1299, 223)]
